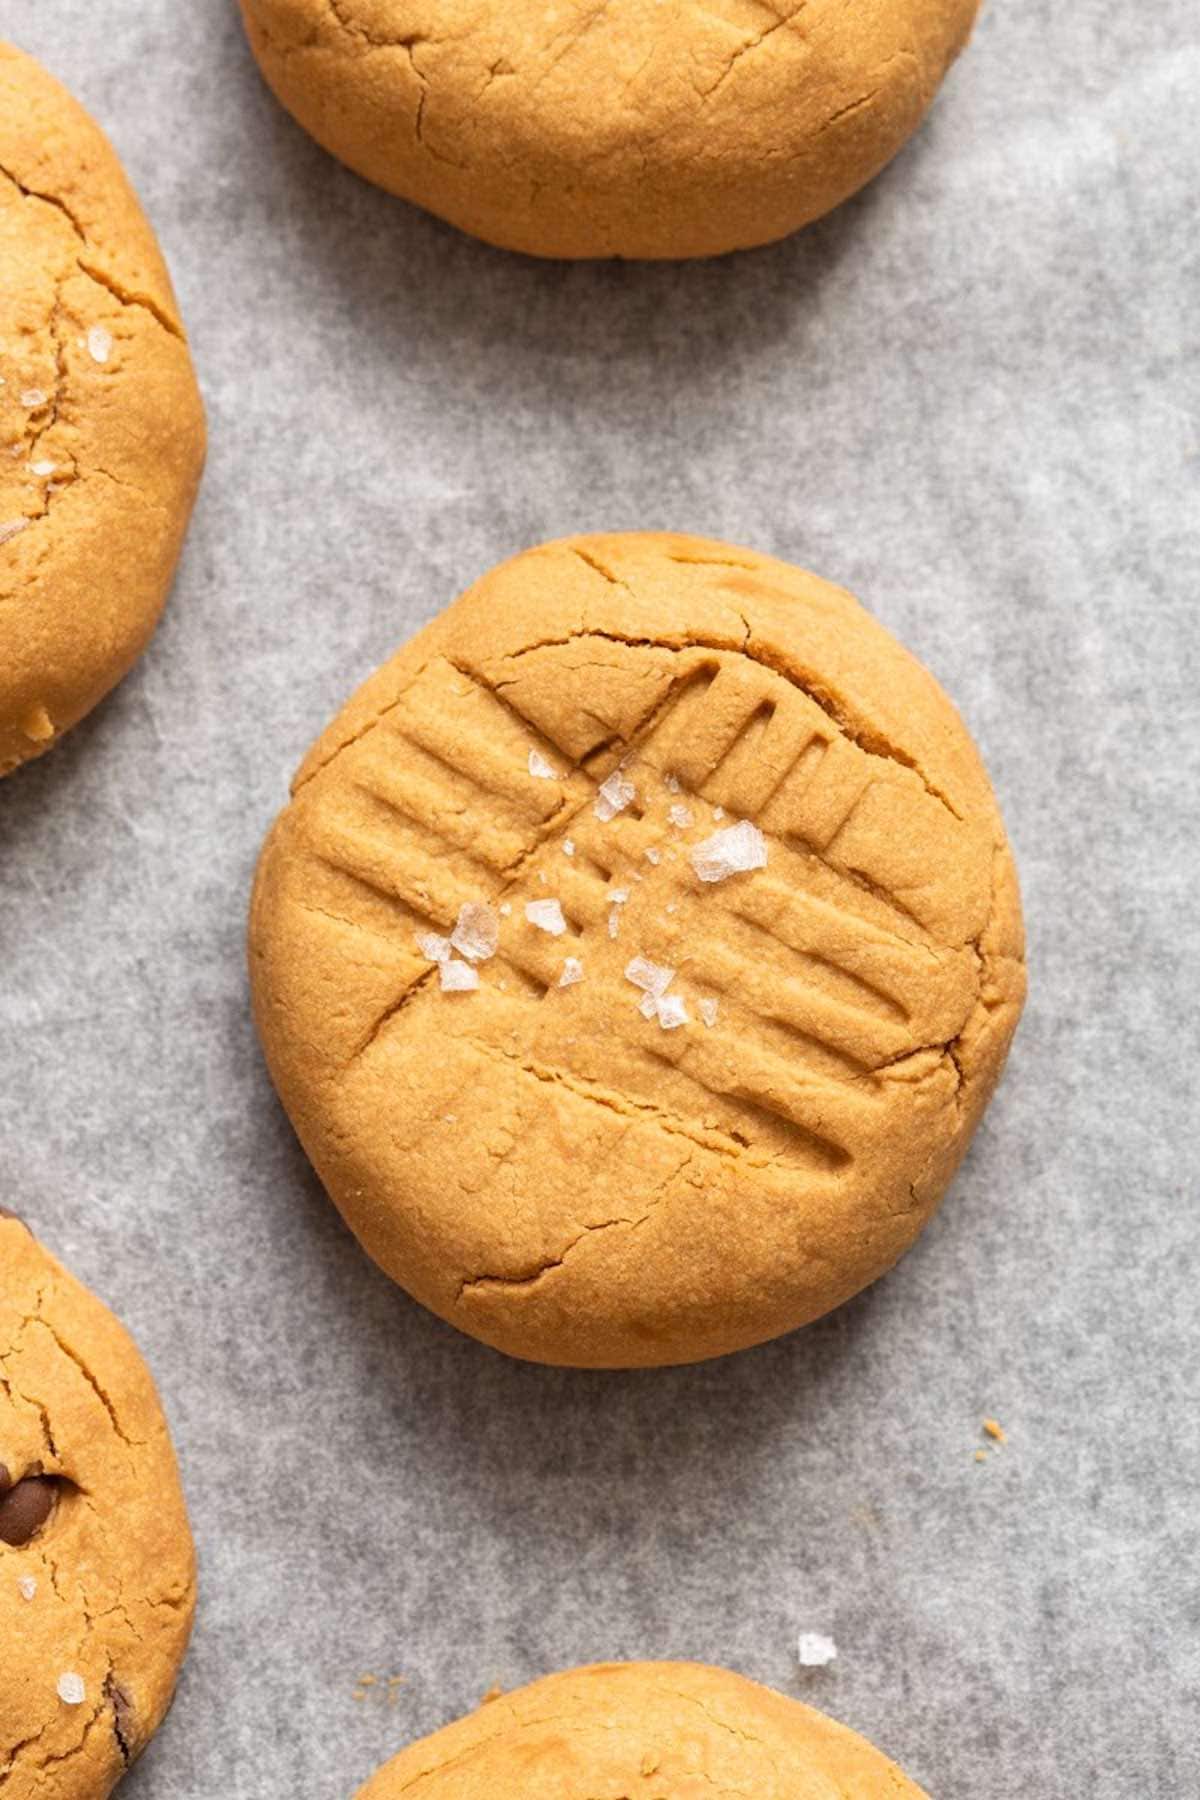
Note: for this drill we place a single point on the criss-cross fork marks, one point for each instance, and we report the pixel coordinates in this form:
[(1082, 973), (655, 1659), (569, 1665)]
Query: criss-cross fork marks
[(822, 974)]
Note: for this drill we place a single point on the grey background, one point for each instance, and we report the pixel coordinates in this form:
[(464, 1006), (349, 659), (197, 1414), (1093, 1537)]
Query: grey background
[(971, 396)]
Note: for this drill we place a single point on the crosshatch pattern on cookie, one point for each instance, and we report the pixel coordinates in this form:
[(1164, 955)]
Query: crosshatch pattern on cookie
[(824, 972), (814, 1042)]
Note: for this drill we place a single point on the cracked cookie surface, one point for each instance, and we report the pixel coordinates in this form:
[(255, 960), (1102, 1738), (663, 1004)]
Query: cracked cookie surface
[(97, 1571), (634, 128), (638, 952), (101, 426), (657, 1731)]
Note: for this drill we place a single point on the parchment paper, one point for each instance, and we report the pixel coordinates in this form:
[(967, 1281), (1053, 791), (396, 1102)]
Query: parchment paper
[(972, 397)]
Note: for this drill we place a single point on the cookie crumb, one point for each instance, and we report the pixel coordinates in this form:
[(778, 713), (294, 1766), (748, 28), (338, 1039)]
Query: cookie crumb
[(495, 1692), (27, 1585), (71, 1689), (683, 816), (10, 528), (477, 933), (457, 977), (547, 915), (38, 726), (614, 796), (99, 343), (981, 1456), (995, 1430), (572, 971), (734, 851), (708, 1011), (814, 1650)]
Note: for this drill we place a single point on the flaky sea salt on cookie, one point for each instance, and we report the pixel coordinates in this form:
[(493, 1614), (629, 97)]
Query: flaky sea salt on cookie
[(665, 1731), (101, 427), (635, 128), (711, 1072)]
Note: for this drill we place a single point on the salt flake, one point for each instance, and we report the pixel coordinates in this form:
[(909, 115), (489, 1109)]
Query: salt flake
[(814, 1649), (436, 948), (11, 528), (568, 847), (477, 932), (732, 851), (99, 343), (71, 1689), (614, 796), (681, 815), (718, 812), (652, 855), (42, 468), (541, 768), (32, 398), (27, 1585), (618, 896), (547, 915), (653, 978), (672, 1012), (708, 1011), (614, 923), (458, 977), (572, 971), (671, 783)]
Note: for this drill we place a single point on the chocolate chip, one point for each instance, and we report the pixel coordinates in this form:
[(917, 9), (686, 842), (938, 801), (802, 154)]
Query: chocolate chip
[(5, 1480), (25, 1508)]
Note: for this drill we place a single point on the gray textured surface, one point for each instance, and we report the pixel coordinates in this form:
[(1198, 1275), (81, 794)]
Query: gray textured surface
[(972, 397)]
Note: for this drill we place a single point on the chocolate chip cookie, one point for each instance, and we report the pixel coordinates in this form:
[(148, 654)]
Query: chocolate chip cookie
[(97, 1571)]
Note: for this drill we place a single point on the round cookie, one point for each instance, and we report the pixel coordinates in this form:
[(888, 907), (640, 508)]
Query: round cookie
[(633, 128), (101, 426), (665, 1731), (97, 1571), (539, 1130)]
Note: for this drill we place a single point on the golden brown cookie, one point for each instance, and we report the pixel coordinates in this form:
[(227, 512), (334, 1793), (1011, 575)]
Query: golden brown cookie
[(101, 426), (635, 128), (726, 1088), (642, 1731), (97, 1572)]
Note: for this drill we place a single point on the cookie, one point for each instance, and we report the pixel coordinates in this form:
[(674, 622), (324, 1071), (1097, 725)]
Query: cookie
[(636, 128), (97, 1572), (638, 952), (101, 426), (665, 1731)]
